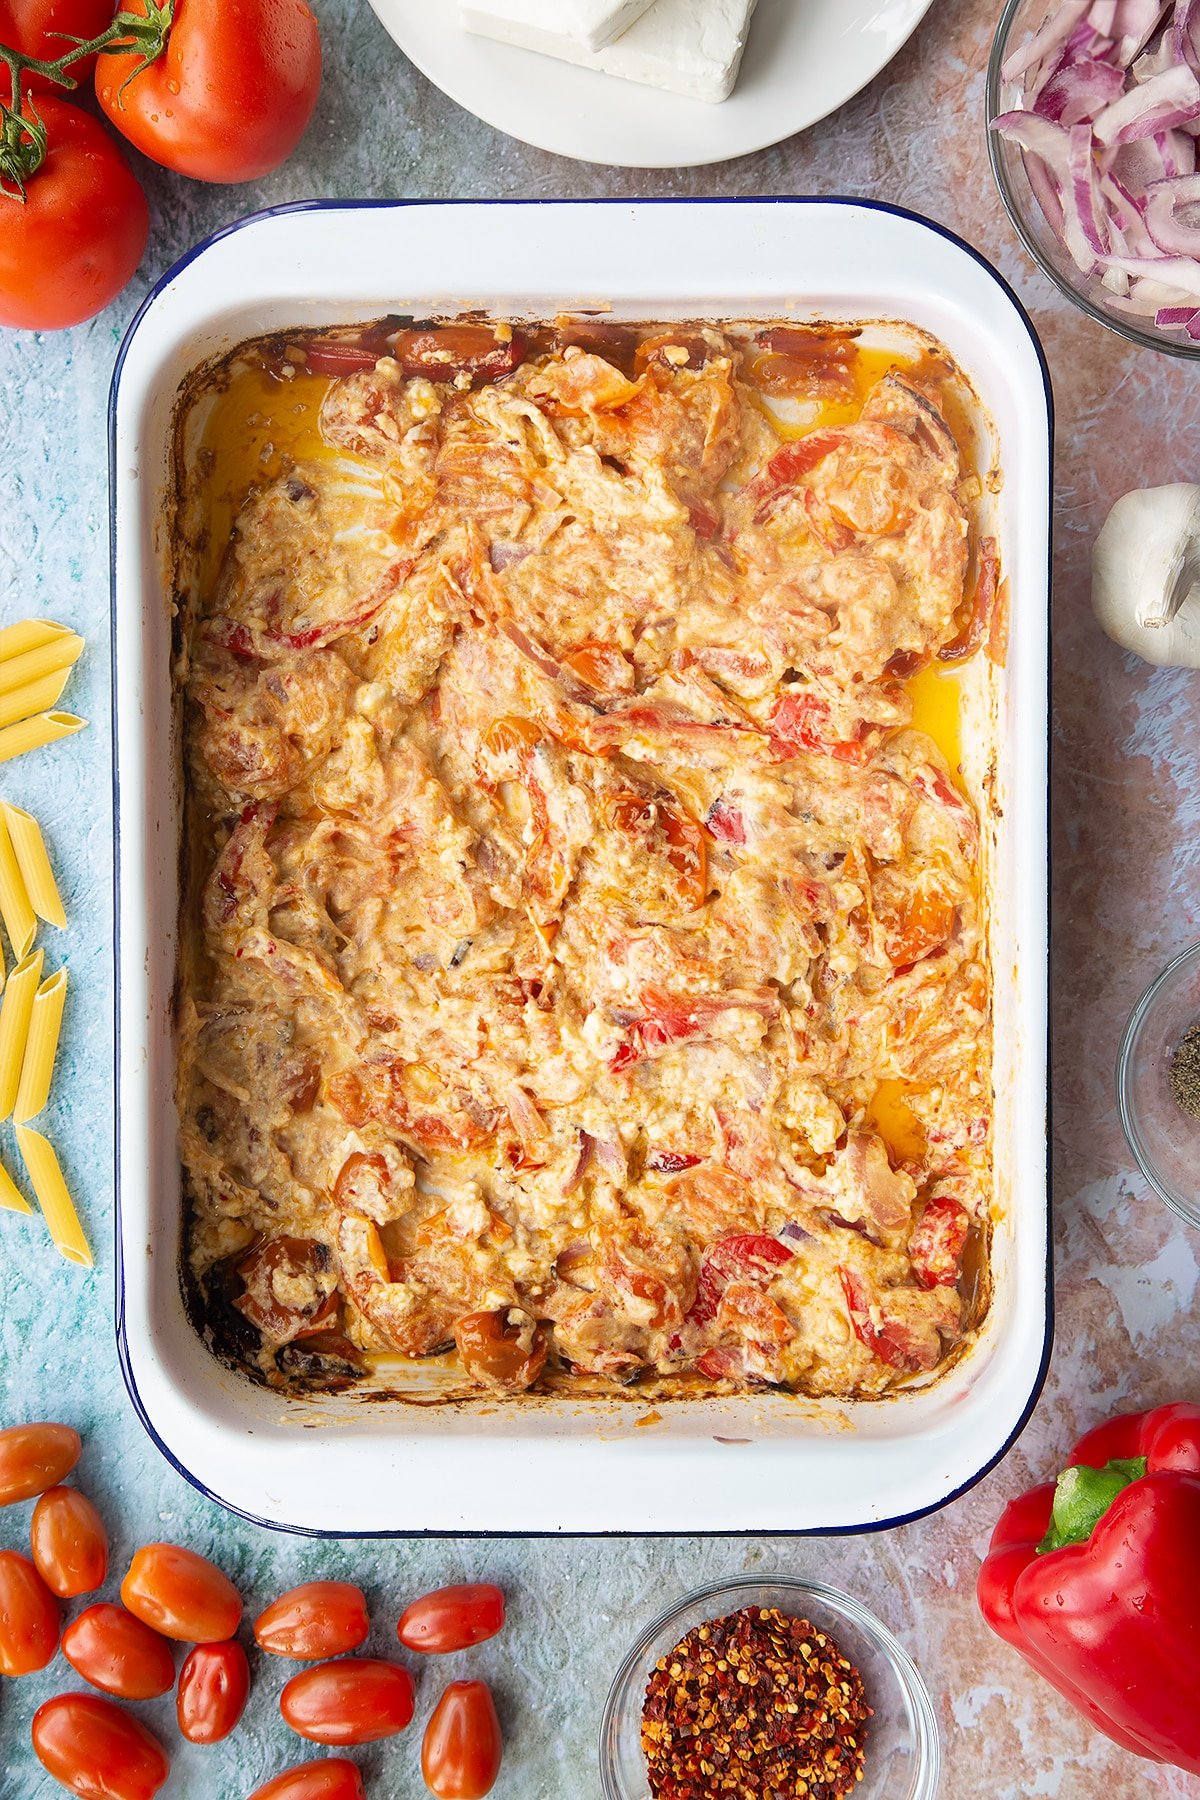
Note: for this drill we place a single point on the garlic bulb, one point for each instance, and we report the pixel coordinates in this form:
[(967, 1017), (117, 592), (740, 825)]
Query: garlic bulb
[(1146, 574)]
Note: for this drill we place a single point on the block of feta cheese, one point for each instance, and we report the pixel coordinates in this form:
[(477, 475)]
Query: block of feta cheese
[(691, 47), (546, 25)]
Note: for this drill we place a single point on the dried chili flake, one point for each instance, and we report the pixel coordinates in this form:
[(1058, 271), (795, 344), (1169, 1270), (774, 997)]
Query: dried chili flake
[(758, 1706)]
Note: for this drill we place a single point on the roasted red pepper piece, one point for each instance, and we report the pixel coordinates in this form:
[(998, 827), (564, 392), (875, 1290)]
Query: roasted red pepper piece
[(1093, 1580)]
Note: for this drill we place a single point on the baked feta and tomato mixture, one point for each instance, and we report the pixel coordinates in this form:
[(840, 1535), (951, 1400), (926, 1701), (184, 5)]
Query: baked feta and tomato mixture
[(583, 969)]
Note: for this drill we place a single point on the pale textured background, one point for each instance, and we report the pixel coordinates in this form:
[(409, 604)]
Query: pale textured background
[(1127, 802)]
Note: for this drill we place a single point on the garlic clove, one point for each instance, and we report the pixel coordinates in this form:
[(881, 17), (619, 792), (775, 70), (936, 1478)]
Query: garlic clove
[(1146, 574)]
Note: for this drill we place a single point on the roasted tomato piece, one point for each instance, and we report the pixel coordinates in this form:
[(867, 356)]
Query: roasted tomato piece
[(452, 1618), (332, 1778), (749, 1313), (214, 1685), (463, 1747), (750, 1257), (788, 467), (505, 1351), (357, 1700), (97, 1750), (360, 1179), (802, 722), (29, 1619), (663, 350), (666, 828), (349, 356), (34, 1458), (893, 1341), (288, 1282), (936, 1245), (601, 667), (616, 343), (444, 351), (650, 1274), (926, 920), (317, 1619), (725, 822), (181, 1594), (671, 1162), (978, 622), (69, 1543), (807, 361), (119, 1654)]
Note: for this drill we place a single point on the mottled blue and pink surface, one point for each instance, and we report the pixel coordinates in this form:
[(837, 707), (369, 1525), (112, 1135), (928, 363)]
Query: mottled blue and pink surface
[(1126, 888)]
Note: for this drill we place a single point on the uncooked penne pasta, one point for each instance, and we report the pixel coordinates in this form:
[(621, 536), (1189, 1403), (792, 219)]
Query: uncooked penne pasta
[(45, 659), (58, 1209), (29, 847), (30, 634), (11, 1197), (15, 1010), (35, 697), (41, 1047), (20, 922), (30, 734)]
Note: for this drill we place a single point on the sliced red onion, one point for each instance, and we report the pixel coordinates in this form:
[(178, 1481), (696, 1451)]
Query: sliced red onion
[(1048, 38), (795, 1233), (1153, 62), (1185, 33), (1045, 191), (1193, 327), (1168, 204), (1103, 16), (1085, 199), (1136, 166), (1180, 274), (1168, 317), (1159, 104), (1178, 152), (1134, 24), (1079, 90)]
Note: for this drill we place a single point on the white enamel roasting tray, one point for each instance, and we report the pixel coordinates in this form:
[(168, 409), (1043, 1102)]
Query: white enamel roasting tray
[(765, 1463)]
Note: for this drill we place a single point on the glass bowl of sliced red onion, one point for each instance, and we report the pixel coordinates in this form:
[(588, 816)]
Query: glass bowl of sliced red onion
[(1094, 114)]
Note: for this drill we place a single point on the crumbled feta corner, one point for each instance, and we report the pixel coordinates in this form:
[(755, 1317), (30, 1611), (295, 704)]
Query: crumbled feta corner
[(690, 47), (545, 25)]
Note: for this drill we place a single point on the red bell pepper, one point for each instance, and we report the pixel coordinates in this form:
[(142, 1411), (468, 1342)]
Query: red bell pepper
[(1094, 1579)]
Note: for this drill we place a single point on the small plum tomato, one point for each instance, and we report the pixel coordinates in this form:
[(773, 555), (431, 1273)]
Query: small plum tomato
[(69, 1543), (118, 1654), (214, 1685), (463, 1747), (332, 1778), (354, 1701), (452, 1618), (315, 1620), (97, 1750), (34, 1458), (181, 1594), (29, 1622)]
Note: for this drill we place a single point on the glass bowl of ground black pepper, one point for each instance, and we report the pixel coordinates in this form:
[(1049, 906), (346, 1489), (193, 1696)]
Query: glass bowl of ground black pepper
[(763, 1688), (1158, 1084)]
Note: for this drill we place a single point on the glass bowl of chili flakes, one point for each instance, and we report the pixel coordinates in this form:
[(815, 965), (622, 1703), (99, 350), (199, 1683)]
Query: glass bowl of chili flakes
[(715, 1747)]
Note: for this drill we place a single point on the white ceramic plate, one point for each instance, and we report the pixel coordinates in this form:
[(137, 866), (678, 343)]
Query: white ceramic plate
[(762, 1462), (804, 59)]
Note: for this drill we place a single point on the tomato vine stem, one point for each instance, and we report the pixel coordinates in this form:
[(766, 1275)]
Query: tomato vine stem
[(23, 136)]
